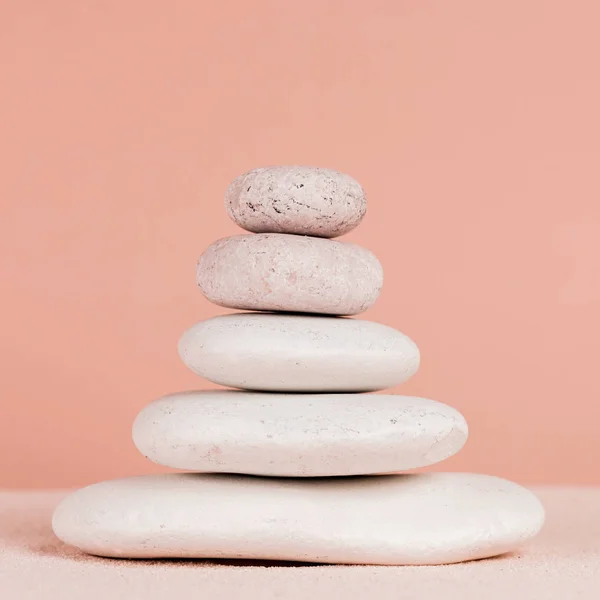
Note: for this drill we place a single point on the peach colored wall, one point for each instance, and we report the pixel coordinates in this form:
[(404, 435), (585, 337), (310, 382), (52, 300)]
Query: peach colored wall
[(474, 127)]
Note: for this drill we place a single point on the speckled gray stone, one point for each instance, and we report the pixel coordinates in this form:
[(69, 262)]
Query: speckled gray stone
[(280, 272), (297, 435), (296, 199), (420, 519), (298, 353)]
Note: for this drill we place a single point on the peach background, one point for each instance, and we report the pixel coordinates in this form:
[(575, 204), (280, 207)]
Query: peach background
[(474, 127)]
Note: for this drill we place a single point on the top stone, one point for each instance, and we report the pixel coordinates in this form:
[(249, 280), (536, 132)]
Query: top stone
[(298, 200)]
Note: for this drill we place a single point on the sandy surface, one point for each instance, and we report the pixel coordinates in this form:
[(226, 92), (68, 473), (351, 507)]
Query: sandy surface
[(563, 563)]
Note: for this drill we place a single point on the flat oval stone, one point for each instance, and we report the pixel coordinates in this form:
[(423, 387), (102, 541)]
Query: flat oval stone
[(296, 199), (298, 353), (297, 435), (425, 519), (279, 272)]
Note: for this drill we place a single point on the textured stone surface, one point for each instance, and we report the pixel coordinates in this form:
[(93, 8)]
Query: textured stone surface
[(297, 435), (279, 272), (296, 199), (400, 519), (563, 562), (298, 353)]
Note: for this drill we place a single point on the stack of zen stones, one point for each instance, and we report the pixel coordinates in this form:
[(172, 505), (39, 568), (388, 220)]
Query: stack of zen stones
[(302, 464)]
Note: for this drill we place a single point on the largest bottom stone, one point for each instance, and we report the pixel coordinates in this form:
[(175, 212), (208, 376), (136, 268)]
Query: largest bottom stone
[(417, 519)]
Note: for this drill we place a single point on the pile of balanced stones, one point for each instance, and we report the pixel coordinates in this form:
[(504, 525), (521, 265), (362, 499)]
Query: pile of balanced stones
[(305, 463)]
